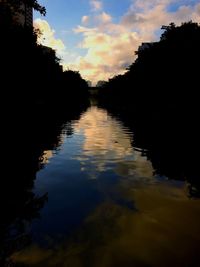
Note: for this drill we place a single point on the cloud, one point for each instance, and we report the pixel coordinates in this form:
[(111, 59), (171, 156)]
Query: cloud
[(115, 144), (146, 17), (96, 5), (107, 54), (111, 46), (110, 49), (48, 38), (104, 18), (82, 29), (138, 220), (85, 19)]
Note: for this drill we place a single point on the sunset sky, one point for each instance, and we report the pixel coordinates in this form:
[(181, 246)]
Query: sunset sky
[(99, 38)]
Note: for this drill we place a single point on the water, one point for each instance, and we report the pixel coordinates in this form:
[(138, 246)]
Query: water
[(106, 204)]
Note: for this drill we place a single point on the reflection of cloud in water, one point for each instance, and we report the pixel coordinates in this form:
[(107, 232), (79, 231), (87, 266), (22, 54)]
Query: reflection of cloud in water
[(47, 154), (159, 229), (164, 231), (103, 135), (108, 142), (139, 167)]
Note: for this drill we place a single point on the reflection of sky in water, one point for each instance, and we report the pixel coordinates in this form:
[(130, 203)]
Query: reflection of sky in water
[(47, 155), (97, 147), (102, 143), (106, 209), (107, 143)]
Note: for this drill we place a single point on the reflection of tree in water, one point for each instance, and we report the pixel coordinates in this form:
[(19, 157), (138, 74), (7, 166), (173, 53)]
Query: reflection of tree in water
[(172, 151), (165, 111), (15, 222), (171, 144), (19, 205)]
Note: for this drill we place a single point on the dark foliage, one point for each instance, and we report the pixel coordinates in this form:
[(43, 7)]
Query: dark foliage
[(32, 73), (164, 75), (37, 97), (16, 5), (159, 97)]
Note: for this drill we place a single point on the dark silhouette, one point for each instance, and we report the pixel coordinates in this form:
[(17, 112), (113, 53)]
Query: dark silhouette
[(26, 140), (17, 5), (32, 73), (37, 97), (163, 76), (77, 89), (158, 97), (172, 147)]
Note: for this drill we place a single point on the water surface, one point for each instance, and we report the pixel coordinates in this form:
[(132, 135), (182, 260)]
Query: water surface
[(106, 206)]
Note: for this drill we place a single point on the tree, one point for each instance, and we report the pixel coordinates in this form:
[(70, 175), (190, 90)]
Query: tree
[(12, 8), (32, 3), (164, 75)]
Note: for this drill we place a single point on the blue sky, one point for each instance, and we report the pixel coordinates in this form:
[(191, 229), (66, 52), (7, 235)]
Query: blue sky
[(70, 12), (64, 15), (99, 37)]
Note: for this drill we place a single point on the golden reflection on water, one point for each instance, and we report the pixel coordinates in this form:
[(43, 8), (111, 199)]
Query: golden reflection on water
[(46, 156), (161, 230), (103, 135), (164, 231), (108, 142)]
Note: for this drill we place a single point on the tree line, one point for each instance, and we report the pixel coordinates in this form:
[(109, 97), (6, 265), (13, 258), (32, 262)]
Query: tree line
[(31, 73), (158, 97), (164, 77), (37, 98)]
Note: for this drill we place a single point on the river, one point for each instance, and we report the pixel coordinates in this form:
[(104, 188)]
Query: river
[(105, 204)]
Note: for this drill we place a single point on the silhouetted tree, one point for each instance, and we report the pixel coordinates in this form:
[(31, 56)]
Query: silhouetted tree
[(158, 97), (74, 89), (32, 72), (164, 73), (15, 5), (32, 82)]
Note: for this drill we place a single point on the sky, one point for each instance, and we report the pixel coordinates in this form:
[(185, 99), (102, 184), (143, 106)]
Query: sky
[(99, 38)]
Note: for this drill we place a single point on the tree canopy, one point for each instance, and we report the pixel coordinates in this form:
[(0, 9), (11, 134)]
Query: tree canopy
[(165, 73), (32, 3)]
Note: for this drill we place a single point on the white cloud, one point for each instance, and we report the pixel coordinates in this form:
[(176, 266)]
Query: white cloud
[(110, 47), (107, 54), (82, 29), (104, 18), (96, 5), (48, 38), (85, 19), (148, 16)]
